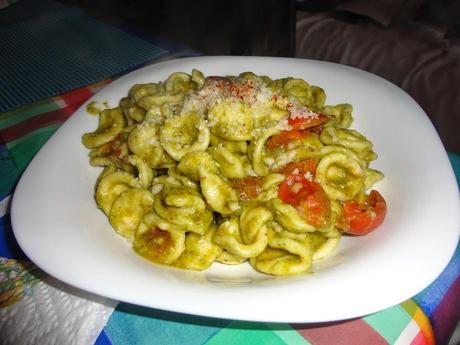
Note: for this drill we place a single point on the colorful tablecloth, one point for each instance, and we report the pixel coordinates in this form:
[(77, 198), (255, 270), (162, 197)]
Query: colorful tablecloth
[(431, 314), (37, 309)]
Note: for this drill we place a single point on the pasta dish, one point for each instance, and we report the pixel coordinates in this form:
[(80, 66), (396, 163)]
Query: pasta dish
[(202, 169)]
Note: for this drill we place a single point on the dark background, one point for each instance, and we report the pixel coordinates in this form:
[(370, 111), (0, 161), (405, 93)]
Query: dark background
[(228, 27), (426, 65), (213, 27)]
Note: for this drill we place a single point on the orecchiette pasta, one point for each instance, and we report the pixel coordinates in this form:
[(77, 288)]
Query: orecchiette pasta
[(111, 123), (234, 169), (128, 210)]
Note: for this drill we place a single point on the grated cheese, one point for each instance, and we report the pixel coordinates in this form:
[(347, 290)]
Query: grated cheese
[(297, 112), (308, 175)]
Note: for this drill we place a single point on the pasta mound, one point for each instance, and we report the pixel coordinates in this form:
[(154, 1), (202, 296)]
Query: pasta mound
[(230, 169)]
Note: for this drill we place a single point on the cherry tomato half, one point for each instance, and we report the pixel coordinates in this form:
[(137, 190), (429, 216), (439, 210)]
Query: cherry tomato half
[(362, 218), (308, 197), (294, 188)]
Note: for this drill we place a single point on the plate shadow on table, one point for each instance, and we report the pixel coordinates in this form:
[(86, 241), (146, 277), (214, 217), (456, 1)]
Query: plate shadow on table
[(204, 321)]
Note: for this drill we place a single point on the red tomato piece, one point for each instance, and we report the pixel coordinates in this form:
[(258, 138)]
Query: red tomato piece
[(284, 138), (294, 188), (316, 207), (362, 218), (248, 187), (308, 165), (308, 197)]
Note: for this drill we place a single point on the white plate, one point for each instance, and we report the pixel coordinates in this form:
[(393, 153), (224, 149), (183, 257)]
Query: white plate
[(58, 226)]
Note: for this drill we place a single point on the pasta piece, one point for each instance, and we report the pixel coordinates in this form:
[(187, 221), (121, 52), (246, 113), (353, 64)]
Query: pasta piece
[(132, 111), (110, 187), (183, 134), (372, 177), (231, 145), (219, 194), (144, 141), (267, 115), (166, 162), (269, 188), (198, 78), (107, 170), (139, 91), (288, 217), (346, 137), (179, 82), (228, 258), (145, 173), (231, 120), (155, 101), (341, 115), (341, 176), (245, 237), (182, 208), (116, 148), (112, 153), (111, 123), (195, 164), (326, 249), (231, 165), (253, 224), (157, 244), (258, 153), (284, 256), (128, 209), (302, 153), (304, 93), (174, 175), (200, 252)]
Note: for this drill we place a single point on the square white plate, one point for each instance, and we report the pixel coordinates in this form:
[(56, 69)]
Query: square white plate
[(57, 223)]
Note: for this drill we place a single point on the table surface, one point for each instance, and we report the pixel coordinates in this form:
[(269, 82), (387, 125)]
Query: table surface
[(36, 308)]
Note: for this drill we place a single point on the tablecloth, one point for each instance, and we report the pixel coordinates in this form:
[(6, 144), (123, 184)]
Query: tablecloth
[(35, 308)]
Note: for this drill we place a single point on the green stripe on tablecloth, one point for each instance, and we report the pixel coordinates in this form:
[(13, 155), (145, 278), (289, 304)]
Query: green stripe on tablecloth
[(288, 334), (248, 333), (13, 117), (22, 150), (389, 323), (130, 324)]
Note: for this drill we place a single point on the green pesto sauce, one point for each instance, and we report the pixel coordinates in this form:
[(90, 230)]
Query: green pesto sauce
[(92, 108)]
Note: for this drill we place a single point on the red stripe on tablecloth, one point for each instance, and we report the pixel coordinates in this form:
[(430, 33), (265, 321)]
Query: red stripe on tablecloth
[(75, 98), (447, 314), (353, 332), (419, 339), (53, 117)]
